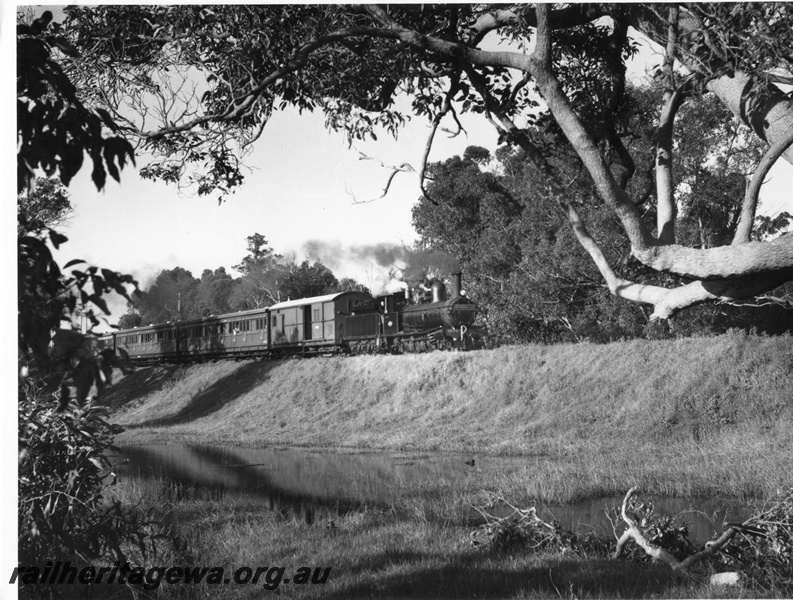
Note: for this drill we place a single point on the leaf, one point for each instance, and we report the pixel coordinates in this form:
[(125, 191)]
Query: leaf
[(57, 239), (99, 301), (106, 118), (71, 263)]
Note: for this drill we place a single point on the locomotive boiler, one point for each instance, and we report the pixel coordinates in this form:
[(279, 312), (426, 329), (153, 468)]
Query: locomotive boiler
[(454, 312)]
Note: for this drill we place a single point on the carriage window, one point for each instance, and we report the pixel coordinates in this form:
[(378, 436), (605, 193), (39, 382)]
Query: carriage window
[(316, 314)]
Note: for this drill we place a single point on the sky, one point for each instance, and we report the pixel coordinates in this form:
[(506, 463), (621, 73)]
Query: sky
[(306, 189), (307, 192)]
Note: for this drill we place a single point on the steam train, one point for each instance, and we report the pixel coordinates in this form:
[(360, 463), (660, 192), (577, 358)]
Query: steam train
[(346, 322)]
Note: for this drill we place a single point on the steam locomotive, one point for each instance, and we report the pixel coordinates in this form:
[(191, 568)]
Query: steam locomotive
[(346, 322)]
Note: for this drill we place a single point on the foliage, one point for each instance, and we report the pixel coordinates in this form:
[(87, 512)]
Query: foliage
[(521, 530), (63, 475), (660, 530), (715, 155), (263, 274), (47, 298), (46, 205), (131, 318), (750, 37), (764, 548), (214, 292), (266, 278), (54, 127), (521, 263), (62, 509), (352, 61), (228, 50), (306, 280)]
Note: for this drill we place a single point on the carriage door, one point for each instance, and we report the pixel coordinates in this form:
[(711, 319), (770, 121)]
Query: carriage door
[(307, 322)]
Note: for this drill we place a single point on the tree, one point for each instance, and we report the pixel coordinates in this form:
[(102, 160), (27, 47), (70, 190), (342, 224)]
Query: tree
[(46, 206), (214, 292), (172, 297), (529, 281), (260, 256), (348, 284), (63, 445), (306, 280), (351, 61), (263, 273), (130, 319)]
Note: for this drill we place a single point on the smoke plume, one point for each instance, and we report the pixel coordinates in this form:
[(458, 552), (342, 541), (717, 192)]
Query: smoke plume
[(414, 266)]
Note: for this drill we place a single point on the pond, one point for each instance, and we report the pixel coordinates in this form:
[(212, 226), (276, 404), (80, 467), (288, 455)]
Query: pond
[(308, 485)]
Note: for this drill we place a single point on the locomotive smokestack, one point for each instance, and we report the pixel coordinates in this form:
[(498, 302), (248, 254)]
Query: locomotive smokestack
[(457, 283), (438, 292)]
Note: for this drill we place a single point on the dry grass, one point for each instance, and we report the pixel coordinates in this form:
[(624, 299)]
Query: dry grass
[(683, 417), (384, 553)]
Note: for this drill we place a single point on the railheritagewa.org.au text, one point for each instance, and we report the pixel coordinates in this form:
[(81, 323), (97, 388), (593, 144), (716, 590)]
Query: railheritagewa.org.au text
[(150, 578)]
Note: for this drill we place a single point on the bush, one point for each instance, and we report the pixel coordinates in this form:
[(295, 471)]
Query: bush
[(63, 473)]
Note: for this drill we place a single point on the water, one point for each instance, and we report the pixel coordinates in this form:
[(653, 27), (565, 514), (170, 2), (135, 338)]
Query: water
[(307, 485)]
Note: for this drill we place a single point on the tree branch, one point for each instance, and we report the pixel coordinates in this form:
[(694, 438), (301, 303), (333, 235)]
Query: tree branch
[(673, 99), (436, 121), (520, 14), (403, 168), (583, 141), (743, 231), (633, 532)]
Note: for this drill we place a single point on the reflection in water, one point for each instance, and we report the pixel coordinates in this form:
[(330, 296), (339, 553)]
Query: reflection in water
[(296, 483), (307, 485)]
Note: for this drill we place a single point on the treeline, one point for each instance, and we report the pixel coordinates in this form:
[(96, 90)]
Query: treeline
[(524, 266), (267, 278)]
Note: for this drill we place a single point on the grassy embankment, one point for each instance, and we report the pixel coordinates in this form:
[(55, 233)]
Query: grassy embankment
[(701, 416), (688, 417)]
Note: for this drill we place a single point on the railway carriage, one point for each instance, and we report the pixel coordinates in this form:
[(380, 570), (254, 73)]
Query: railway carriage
[(233, 334), (152, 342), (312, 324), (349, 322)]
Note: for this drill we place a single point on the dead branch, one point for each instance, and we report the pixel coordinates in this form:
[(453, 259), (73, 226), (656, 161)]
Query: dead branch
[(395, 170), (633, 532)]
